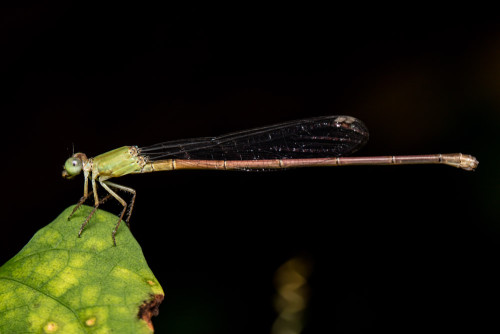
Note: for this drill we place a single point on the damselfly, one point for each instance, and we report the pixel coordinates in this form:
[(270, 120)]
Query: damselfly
[(314, 142)]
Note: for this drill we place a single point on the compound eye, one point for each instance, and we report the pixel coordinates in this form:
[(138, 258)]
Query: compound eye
[(73, 166)]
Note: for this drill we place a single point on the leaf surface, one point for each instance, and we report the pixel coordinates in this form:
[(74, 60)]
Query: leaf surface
[(59, 283)]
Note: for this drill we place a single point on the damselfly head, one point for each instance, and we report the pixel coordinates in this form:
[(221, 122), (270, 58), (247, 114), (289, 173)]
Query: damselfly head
[(73, 166)]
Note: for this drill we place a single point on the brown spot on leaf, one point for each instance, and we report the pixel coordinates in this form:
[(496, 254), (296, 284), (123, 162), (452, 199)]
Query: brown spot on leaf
[(150, 308), (90, 321)]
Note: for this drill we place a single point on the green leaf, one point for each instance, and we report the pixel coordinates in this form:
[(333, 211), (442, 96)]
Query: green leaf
[(59, 283)]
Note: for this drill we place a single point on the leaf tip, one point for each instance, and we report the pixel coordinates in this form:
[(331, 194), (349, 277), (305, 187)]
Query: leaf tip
[(150, 308)]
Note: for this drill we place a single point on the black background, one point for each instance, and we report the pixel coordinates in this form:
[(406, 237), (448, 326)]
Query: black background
[(392, 248)]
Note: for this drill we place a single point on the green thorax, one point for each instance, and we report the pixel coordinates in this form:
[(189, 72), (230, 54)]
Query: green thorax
[(118, 162)]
